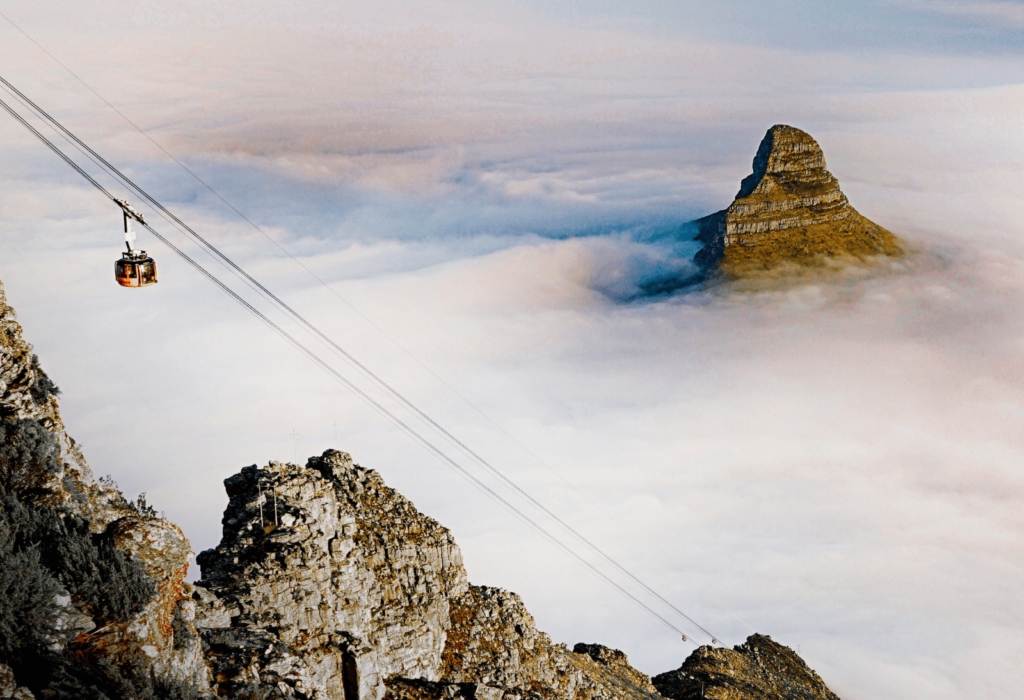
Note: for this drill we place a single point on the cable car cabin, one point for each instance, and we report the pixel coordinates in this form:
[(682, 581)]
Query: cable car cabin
[(135, 269)]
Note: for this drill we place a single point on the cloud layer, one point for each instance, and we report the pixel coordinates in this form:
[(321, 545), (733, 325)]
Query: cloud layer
[(835, 463)]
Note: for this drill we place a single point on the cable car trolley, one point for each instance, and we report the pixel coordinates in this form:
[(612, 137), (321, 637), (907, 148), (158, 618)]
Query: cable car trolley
[(135, 268)]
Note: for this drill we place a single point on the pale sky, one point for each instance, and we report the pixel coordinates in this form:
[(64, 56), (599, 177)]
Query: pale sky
[(487, 187)]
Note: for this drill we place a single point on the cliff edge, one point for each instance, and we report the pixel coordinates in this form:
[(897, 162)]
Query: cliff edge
[(93, 602), (790, 209)]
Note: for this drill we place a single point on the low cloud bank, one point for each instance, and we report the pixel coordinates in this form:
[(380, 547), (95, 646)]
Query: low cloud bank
[(833, 462)]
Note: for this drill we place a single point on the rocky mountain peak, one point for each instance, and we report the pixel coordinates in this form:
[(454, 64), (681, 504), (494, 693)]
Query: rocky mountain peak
[(790, 209), (791, 159)]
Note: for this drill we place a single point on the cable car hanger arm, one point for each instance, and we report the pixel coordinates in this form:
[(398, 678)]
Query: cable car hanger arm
[(130, 212)]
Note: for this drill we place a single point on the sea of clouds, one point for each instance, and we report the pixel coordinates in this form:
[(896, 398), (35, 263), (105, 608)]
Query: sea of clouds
[(494, 193)]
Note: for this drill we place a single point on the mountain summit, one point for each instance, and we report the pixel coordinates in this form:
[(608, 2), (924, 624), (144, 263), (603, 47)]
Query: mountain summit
[(789, 210)]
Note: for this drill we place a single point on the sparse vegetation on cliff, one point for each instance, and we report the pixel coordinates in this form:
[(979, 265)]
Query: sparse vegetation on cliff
[(58, 580)]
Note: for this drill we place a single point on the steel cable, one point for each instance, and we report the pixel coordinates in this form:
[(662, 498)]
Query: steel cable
[(366, 371)]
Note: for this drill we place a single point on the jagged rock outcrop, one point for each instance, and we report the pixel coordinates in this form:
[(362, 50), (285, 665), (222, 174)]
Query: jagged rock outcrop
[(27, 392), (611, 669), (350, 592), (758, 669), (790, 209), (494, 641), (353, 586)]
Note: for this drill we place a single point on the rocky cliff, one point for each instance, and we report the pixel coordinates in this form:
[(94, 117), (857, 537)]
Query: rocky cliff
[(92, 591), (336, 587), (350, 582), (789, 210), (27, 393), (326, 585)]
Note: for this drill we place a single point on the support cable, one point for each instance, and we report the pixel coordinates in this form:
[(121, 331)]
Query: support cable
[(346, 302), (362, 394), (363, 368)]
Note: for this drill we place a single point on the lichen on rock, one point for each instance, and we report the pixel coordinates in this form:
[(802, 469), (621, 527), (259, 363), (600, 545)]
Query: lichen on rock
[(338, 587)]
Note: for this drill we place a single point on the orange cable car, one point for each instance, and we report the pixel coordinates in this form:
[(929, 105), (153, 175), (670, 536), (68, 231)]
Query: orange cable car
[(135, 268)]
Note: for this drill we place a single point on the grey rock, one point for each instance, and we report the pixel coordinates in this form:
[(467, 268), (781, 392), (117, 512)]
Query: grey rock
[(9, 689), (758, 668), (494, 640), (328, 585), (350, 592), (210, 612), (69, 620), (357, 583)]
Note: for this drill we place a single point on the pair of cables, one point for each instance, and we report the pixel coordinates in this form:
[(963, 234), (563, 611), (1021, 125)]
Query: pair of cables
[(263, 291)]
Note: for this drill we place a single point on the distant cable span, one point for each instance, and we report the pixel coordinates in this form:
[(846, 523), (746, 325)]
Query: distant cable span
[(416, 436), (363, 316)]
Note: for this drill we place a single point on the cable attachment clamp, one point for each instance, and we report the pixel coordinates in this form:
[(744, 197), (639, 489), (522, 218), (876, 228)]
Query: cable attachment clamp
[(130, 213)]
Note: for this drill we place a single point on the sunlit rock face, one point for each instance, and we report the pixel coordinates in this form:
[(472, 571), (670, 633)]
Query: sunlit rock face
[(790, 209), (494, 641), (336, 587), (494, 650), (164, 630), (340, 575), (758, 669)]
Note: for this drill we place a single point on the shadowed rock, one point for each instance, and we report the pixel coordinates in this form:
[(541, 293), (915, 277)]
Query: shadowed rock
[(789, 210)]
